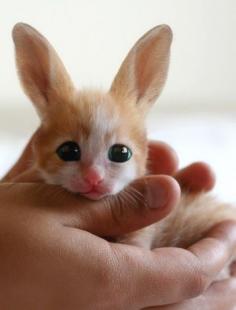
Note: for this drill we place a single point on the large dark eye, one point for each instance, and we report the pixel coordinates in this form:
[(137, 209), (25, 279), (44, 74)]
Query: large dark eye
[(119, 153), (69, 151)]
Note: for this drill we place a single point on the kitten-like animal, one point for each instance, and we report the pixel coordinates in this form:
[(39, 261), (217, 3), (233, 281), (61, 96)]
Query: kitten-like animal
[(95, 143)]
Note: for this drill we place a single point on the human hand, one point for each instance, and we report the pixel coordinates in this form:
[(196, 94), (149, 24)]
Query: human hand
[(50, 260), (162, 160), (219, 296), (196, 177)]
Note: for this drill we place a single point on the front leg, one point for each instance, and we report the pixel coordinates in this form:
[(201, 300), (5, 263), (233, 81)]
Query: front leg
[(23, 164), (29, 176)]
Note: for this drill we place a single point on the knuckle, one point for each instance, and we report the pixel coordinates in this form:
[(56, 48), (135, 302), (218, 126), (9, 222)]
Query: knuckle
[(200, 282)]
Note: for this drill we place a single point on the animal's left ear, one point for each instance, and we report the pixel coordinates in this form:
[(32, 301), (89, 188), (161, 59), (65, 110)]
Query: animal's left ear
[(42, 73), (143, 73)]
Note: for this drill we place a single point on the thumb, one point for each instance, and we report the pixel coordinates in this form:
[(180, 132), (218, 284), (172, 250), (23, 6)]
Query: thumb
[(144, 202)]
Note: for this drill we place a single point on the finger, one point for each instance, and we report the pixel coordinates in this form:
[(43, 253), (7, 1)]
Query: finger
[(233, 269), (172, 275), (220, 295), (23, 163), (220, 244), (162, 159), (196, 177), (144, 202)]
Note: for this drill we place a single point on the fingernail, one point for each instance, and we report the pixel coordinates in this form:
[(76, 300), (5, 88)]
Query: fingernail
[(157, 194)]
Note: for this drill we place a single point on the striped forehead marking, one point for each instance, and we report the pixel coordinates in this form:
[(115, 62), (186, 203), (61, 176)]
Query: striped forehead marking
[(102, 123)]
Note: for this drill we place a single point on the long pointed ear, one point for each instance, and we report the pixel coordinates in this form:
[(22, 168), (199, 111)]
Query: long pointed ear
[(143, 73), (42, 74)]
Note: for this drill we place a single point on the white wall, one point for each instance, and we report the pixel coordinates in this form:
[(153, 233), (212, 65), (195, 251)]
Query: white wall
[(93, 37)]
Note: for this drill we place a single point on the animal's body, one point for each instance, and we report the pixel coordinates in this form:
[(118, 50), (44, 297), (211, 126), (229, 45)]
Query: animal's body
[(94, 143)]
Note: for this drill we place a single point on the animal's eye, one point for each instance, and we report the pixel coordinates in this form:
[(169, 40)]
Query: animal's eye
[(119, 153), (69, 151)]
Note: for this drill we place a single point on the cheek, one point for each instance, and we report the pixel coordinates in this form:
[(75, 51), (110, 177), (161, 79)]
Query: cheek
[(123, 175), (62, 175)]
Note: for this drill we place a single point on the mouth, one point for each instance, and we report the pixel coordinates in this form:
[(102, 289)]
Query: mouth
[(94, 194)]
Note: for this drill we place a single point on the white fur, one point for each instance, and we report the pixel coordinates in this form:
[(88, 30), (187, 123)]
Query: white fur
[(127, 174)]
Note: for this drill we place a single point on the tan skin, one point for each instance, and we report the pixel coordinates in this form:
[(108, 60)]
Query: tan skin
[(50, 260)]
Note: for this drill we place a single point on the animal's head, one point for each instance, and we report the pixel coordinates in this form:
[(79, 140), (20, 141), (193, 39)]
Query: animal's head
[(91, 142)]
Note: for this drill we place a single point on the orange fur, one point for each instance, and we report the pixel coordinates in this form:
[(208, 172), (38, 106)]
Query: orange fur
[(75, 121), (95, 119)]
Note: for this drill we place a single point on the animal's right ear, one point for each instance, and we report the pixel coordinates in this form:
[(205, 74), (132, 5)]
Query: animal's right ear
[(143, 73), (42, 74)]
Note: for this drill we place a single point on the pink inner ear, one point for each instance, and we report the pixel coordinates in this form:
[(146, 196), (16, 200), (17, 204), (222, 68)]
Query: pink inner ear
[(41, 81), (93, 176), (145, 67), (43, 76), (34, 59)]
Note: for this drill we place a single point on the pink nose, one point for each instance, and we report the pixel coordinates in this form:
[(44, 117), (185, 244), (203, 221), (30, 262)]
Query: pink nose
[(93, 176)]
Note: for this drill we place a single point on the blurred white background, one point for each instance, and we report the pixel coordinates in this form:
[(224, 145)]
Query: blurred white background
[(197, 110)]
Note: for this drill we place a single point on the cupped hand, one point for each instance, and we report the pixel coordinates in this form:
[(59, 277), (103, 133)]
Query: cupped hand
[(50, 260), (61, 224)]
